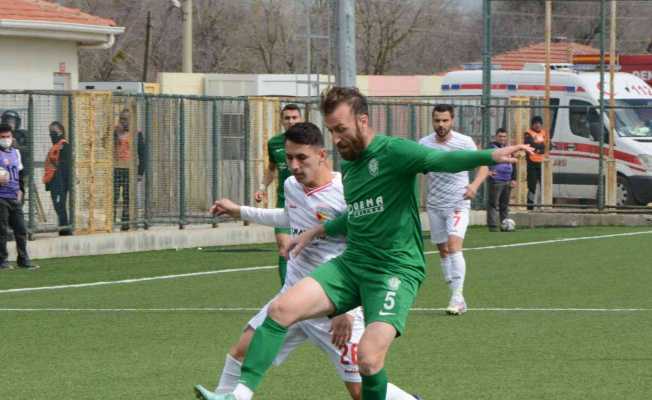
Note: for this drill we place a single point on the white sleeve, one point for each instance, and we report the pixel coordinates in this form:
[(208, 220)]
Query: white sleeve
[(276, 217), (470, 144)]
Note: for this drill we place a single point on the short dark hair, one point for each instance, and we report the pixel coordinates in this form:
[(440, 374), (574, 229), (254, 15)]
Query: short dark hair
[(501, 130), (305, 133), (536, 120), (291, 106), (58, 125), (440, 108), (5, 128), (337, 95)]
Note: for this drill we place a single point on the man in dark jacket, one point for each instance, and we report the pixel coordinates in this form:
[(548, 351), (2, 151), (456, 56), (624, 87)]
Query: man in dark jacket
[(57, 174), (502, 178)]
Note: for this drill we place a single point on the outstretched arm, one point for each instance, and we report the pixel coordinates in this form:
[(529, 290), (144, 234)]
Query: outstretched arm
[(273, 217)]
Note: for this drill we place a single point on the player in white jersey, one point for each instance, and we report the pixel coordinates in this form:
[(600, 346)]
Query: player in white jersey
[(448, 204), (314, 194)]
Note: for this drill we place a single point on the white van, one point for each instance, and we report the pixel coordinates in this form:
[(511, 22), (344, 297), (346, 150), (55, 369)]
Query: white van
[(576, 127)]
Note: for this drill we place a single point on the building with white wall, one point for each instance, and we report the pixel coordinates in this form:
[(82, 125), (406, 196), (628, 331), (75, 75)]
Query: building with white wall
[(39, 43)]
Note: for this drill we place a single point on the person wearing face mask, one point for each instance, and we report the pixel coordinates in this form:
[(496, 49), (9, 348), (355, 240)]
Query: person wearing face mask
[(12, 188), (20, 136), (56, 176)]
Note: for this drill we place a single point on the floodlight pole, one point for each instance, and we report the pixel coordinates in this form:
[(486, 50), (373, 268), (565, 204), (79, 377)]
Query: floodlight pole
[(345, 72), (486, 73), (187, 36)]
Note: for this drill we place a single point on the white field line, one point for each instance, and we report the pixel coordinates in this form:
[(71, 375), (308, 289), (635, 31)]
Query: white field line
[(267, 267), (239, 309), (135, 280), (574, 239)]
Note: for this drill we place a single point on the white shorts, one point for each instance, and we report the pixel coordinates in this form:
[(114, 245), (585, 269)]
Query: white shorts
[(317, 331), (445, 223)]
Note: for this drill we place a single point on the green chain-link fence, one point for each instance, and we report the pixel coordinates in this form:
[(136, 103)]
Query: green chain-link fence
[(142, 160)]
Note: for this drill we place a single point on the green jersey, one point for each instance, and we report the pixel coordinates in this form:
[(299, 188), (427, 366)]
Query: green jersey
[(276, 152), (380, 188)]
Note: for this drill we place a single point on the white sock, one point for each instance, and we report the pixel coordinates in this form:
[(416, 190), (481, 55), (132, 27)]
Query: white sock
[(230, 375), (458, 273), (446, 269), (396, 393), (242, 392)]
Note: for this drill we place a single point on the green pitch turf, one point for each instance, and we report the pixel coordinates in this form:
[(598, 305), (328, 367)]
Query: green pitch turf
[(557, 320)]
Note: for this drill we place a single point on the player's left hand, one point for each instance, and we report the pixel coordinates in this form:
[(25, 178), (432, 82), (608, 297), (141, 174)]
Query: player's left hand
[(509, 154), (470, 193), (341, 329), (299, 242)]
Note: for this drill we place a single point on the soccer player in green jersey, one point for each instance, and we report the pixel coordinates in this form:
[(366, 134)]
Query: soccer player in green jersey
[(383, 264), (290, 115)]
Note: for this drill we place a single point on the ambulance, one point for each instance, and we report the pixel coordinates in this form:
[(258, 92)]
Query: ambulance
[(576, 125)]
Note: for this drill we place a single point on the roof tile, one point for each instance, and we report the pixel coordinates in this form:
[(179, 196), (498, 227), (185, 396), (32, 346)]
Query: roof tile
[(43, 10)]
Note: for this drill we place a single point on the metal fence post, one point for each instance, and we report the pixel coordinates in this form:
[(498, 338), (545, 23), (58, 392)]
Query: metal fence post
[(148, 163), (247, 136), (390, 121), (182, 164), (413, 122), (30, 170), (71, 182), (214, 164)]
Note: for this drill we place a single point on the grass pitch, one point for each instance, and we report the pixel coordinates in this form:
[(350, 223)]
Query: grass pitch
[(559, 319)]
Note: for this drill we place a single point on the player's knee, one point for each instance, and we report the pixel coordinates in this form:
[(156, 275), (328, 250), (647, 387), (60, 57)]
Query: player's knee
[(281, 312), (370, 362)]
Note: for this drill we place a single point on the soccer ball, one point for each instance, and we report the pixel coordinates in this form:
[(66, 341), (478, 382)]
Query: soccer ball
[(508, 225)]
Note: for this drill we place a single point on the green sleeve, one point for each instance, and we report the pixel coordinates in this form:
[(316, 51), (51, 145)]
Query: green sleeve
[(336, 226), (270, 152), (420, 159)]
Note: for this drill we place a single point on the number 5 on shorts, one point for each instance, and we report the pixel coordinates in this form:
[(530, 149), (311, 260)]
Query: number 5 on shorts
[(390, 301)]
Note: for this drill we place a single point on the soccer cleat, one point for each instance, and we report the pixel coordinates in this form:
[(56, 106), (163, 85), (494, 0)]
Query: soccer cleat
[(5, 266), (29, 266), (456, 308), (204, 394)]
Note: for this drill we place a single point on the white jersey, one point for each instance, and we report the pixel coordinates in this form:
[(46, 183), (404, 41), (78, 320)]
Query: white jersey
[(445, 189), (304, 210)]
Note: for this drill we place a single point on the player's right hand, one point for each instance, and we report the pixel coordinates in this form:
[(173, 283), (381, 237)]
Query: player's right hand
[(225, 206), (260, 196)]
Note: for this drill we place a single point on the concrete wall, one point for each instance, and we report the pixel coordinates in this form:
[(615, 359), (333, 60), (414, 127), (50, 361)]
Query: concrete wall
[(181, 83), (30, 63), (292, 85)]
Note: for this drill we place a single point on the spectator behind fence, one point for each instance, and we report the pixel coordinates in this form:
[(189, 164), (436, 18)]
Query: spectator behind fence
[(502, 178), (537, 138), (11, 194), (20, 135), (122, 158), (58, 173)]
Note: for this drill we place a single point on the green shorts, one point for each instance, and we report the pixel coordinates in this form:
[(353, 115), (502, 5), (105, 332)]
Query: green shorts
[(384, 297), (282, 230)]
